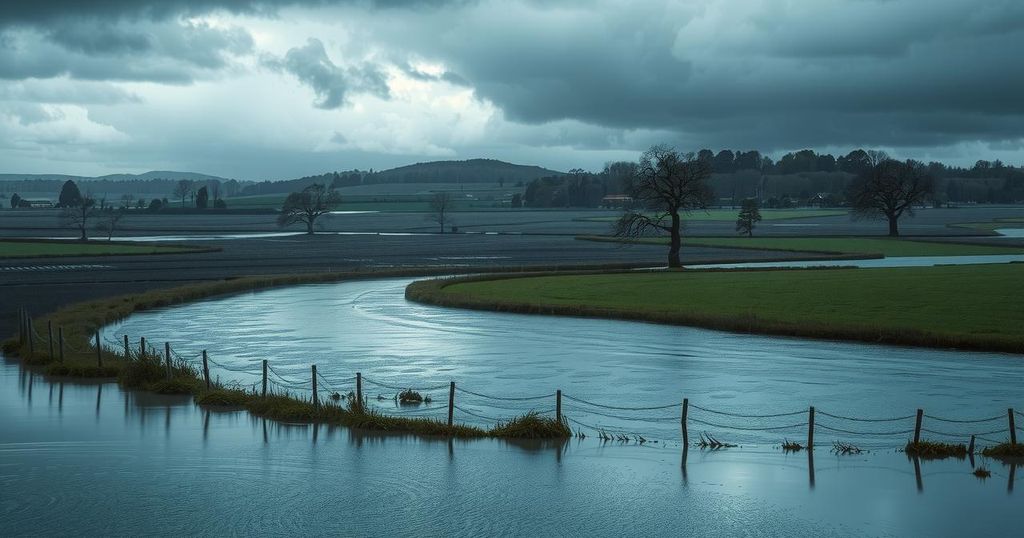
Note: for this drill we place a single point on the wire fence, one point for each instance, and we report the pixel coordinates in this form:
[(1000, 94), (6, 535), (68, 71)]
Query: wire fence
[(669, 421)]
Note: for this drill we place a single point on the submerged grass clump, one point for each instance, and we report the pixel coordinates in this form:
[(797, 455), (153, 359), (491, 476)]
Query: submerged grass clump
[(982, 472), (933, 450), (709, 441), (409, 396), (1004, 451), (532, 425), (791, 446), (845, 449)]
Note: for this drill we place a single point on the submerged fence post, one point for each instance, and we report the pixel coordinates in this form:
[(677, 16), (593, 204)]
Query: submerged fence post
[(558, 405), (60, 338), (970, 450), (21, 326), (810, 429), (917, 426), (49, 335), (682, 422), (142, 347), (167, 358), (316, 399), (206, 371), (30, 332), (264, 378), (1013, 427), (451, 403), (127, 349), (99, 351), (359, 391)]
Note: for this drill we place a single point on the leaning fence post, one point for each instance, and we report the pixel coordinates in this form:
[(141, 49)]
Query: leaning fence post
[(1013, 427), (49, 336), (917, 426), (99, 351), (359, 391), (682, 421), (810, 429), (127, 349), (60, 337), (451, 403), (970, 449), (264, 378), (316, 399), (167, 357), (558, 405), (206, 371)]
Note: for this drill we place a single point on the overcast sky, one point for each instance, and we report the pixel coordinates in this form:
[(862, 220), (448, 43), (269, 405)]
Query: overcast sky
[(275, 89)]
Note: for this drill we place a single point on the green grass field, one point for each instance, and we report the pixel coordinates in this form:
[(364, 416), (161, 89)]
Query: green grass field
[(1011, 222), (975, 306), (730, 214), (839, 245), (34, 249)]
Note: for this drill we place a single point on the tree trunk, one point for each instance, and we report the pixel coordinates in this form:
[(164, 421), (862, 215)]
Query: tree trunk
[(674, 242), (83, 238), (893, 226), (309, 227)]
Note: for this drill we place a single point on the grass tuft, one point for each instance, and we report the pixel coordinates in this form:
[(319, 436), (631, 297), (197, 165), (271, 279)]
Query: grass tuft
[(709, 441), (791, 446), (932, 450), (224, 397), (532, 425), (1004, 451), (409, 396), (982, 473), (845, 449)]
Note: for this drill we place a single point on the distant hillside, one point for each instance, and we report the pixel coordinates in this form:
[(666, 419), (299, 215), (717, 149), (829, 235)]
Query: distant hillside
[(471, 171), (155, 174)]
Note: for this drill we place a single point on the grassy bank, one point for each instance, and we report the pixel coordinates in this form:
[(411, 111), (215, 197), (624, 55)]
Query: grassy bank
[(833, 245), (967, 307), (14, 248), (730, 215)]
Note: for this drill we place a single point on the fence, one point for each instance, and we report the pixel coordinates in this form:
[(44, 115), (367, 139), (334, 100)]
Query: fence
[(671, 421)]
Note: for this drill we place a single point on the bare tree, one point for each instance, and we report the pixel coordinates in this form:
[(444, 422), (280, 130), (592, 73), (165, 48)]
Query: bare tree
[(665, 185), (440, 205), (127, 200), (889, 189), (79, 215), (109, 221), (307, 205), (182, 190)]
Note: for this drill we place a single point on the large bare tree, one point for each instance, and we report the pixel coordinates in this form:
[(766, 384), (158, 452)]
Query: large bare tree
[(79, 215), (307, 205), (182, 190), (440, 207), (889, 189), (665, 185)]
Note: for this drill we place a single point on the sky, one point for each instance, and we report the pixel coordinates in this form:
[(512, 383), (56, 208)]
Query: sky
[(265, 89)]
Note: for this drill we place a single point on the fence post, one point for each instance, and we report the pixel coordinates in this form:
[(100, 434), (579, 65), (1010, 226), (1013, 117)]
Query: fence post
[(682, 421), (49, 336), (60, 338), (142, 347), (167, 358), (1013, 427), (970, 449), (917, 426), (206, 371), (810, 429), (30, 332), (558, 405), (264, 378), (359, 391), (451, 404), (316, 399), (21, 326), (99, 351), (127, 349)]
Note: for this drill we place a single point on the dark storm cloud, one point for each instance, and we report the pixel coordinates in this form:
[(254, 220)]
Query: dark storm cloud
[(331, 83)]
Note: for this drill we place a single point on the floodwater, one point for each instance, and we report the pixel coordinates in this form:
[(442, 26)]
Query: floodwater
[(93, 459)]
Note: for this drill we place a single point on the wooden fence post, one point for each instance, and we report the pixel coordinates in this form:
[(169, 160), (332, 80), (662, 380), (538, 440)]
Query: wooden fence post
[(451, 403), (810, 429), (142, 347), (264, 378), (359, 391), (167, 358), (316, 398), (206, 371), (99, 351), (49, 336), (970, 449), (127, 349), (558, 405), (682, 421), (30, 332), (21, 326), (60, 339), (917, 426), (1013, 427)]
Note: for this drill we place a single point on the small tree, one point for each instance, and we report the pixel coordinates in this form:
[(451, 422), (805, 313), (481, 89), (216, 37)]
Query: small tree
[(182, 190), (127, 200), (109, 221), (69, 196), (890, 188), (669, 184), (307, 205), (750, 215), (440, 205), (15, 200), (79, 216), (202, 198)]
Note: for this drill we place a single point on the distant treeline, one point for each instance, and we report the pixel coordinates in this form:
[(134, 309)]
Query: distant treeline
[(797, 179), (99, 188)]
